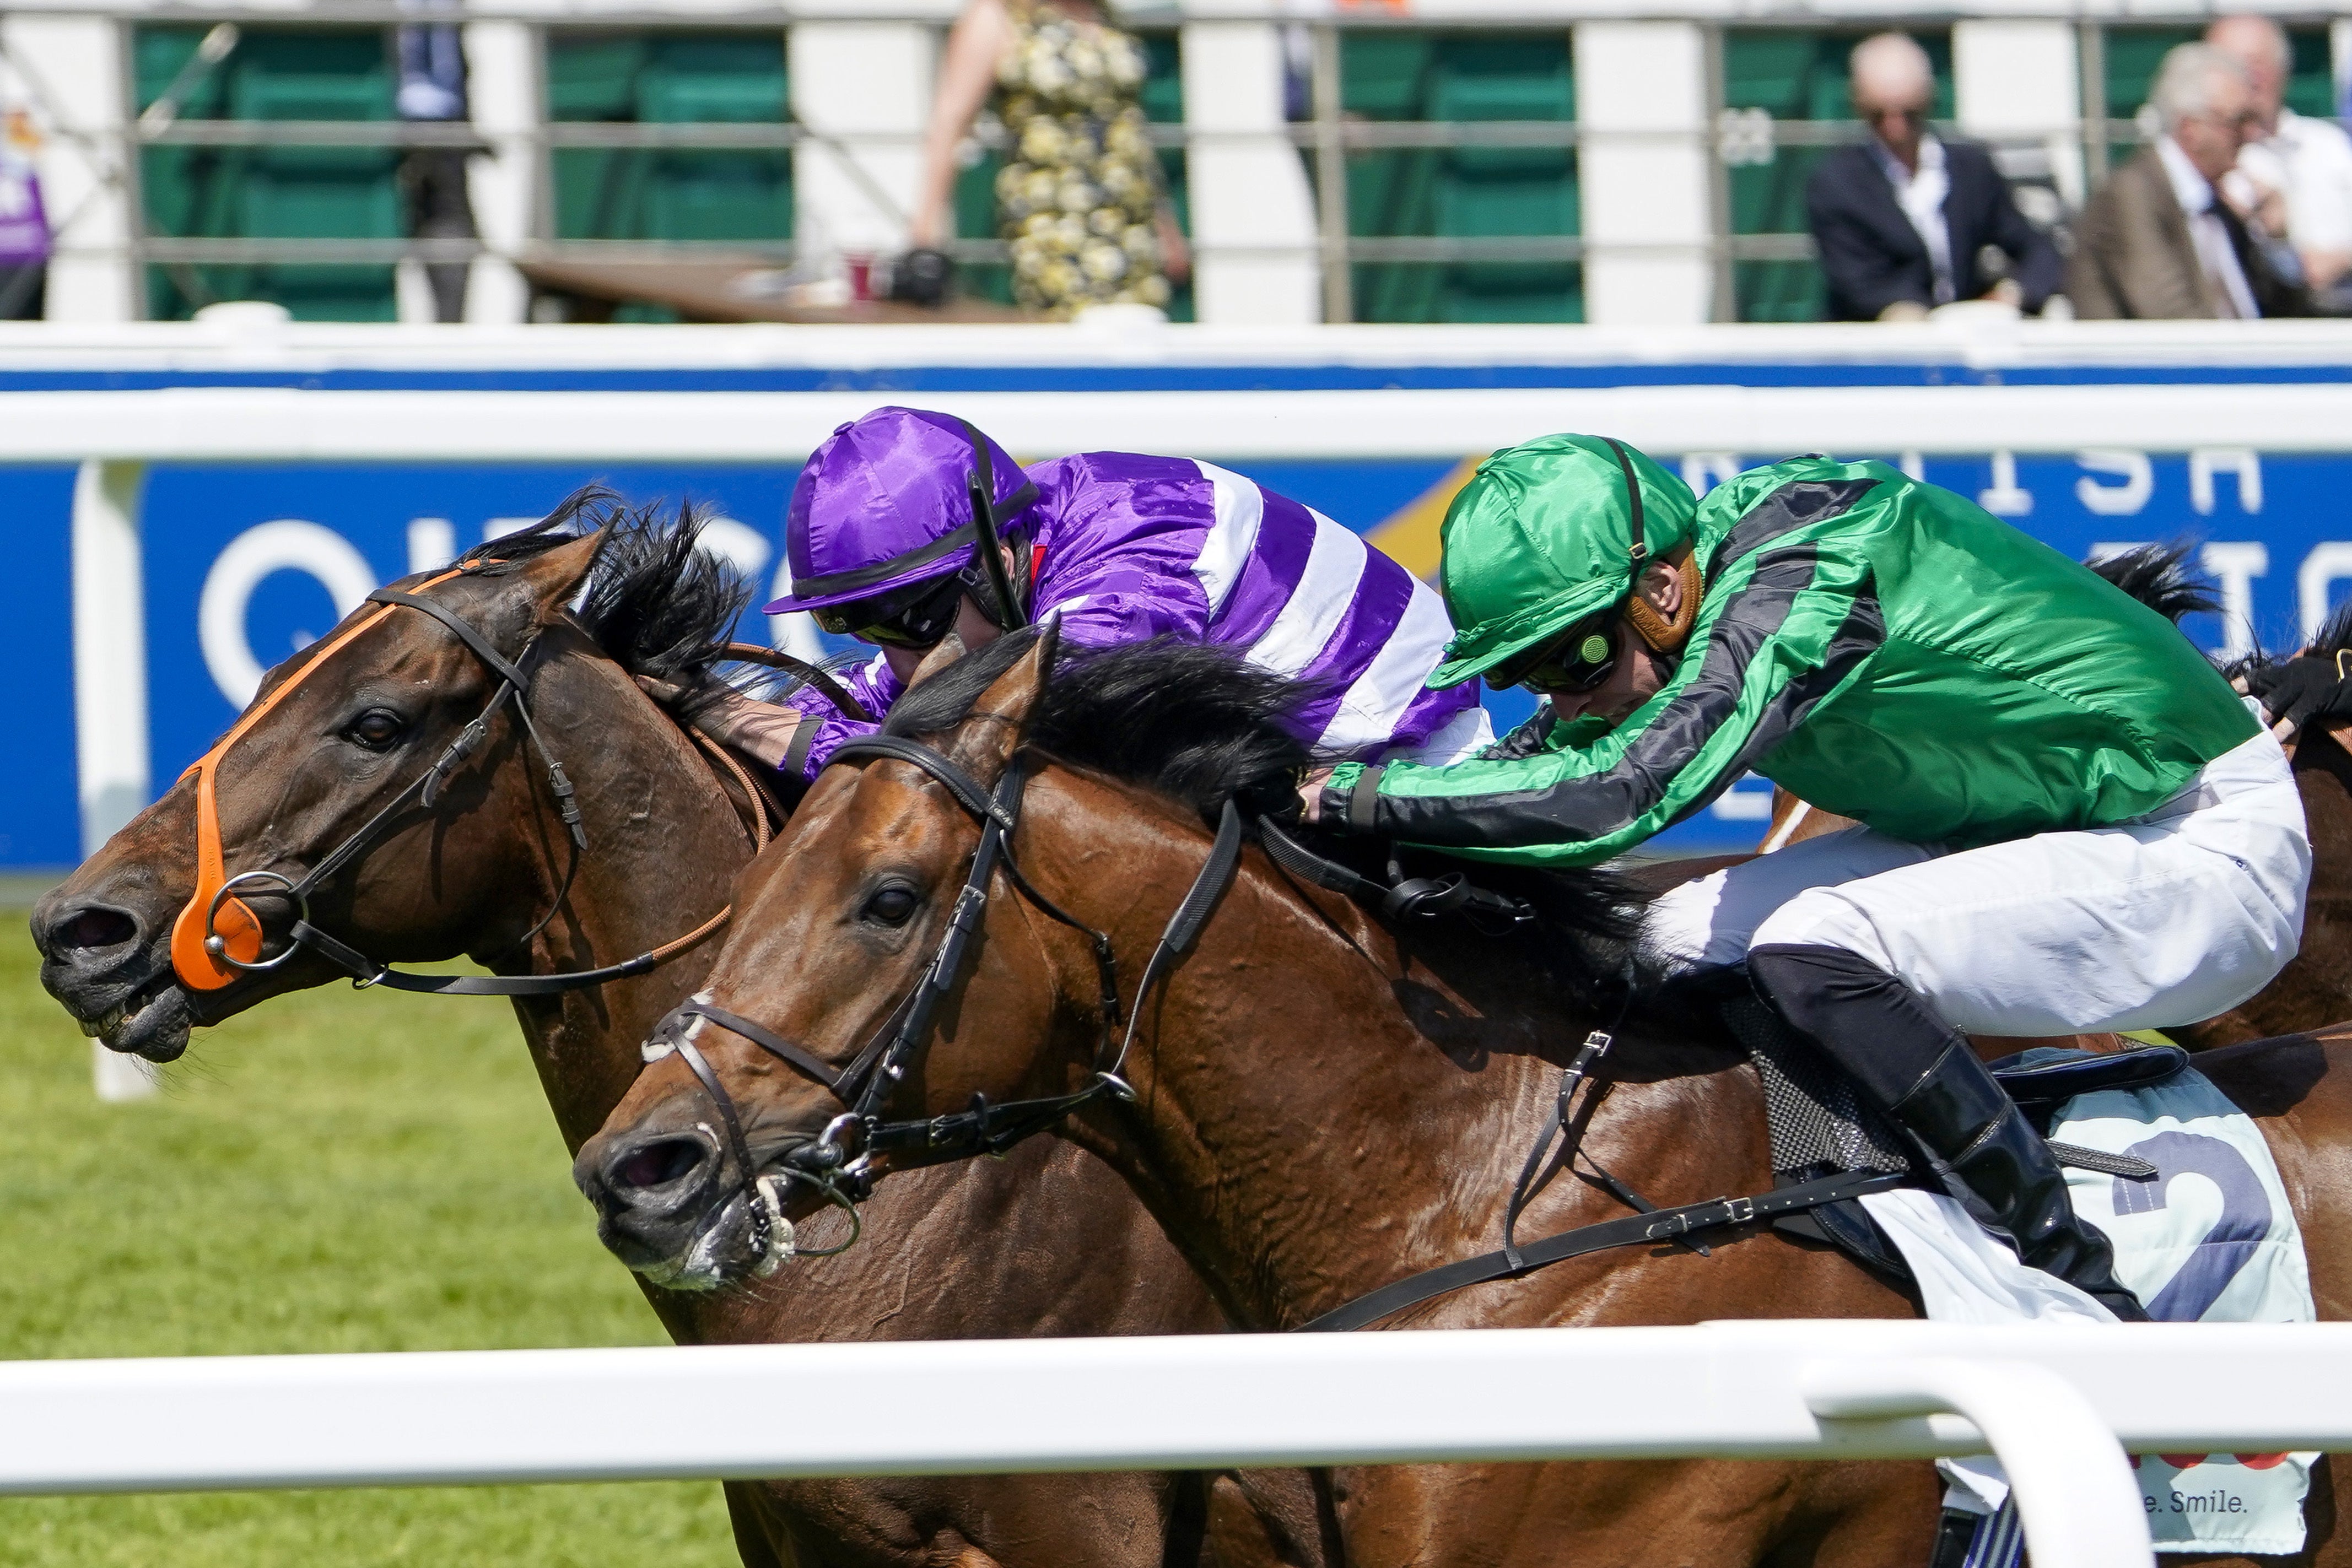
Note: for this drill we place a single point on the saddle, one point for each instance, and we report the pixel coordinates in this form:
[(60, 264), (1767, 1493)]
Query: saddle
[(1820, 1126)]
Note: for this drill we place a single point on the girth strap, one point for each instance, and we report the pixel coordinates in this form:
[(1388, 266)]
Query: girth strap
[(1658, 1225)]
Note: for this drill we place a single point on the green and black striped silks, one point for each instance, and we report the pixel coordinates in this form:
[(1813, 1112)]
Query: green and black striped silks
[(1884, 648)]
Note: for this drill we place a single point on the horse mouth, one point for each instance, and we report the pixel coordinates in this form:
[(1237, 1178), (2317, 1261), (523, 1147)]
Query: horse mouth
[(739, 1240), (151, 1020)]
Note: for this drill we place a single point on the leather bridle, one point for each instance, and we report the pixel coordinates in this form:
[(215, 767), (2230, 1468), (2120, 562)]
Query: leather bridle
[(217, 938), (862, 1086)]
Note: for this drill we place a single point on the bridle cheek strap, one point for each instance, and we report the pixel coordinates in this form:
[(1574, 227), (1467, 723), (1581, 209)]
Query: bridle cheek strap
[(234, 922)]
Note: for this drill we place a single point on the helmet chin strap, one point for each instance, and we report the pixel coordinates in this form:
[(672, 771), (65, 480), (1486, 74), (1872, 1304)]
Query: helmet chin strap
[(987, 545), (1662, 633)]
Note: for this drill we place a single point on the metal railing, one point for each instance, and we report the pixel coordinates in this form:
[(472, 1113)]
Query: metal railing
[(2059, 1406)]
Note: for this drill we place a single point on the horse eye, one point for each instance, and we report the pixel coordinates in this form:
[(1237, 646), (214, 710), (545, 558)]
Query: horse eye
[(892, 905), (375, 730)]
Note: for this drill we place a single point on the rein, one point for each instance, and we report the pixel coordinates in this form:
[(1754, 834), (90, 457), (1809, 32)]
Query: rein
[(866, 1082), (218, 938)]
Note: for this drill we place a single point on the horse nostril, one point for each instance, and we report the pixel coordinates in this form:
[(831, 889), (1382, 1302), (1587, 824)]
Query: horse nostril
[(94, 927), (657, 1163)]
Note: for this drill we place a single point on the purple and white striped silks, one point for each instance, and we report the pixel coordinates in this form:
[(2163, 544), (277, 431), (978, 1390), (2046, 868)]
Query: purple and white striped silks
[(1131, 548)]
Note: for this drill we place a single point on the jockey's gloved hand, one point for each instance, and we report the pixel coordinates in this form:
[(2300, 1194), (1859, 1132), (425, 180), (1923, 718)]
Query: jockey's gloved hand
[(2296, 692), (1524, 741), (1275, 795)]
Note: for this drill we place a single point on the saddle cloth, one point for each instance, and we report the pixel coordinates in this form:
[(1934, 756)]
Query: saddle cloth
[(2209, 1237)]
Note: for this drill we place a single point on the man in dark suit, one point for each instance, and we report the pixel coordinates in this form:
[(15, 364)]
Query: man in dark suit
[(2158, 241), (1904, 218)]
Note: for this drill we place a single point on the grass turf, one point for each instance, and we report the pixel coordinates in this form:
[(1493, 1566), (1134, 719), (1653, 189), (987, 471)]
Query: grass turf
[(335, 1171)]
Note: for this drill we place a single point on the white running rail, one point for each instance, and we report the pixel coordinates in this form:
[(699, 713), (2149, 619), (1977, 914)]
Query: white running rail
[(2060, 1405)]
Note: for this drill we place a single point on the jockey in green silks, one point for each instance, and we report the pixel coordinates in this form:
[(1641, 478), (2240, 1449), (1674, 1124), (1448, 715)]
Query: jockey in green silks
[(2070, 822)]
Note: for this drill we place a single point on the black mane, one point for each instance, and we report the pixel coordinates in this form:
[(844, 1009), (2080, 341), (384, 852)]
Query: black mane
[(2160, 577), (2336, 633), (1191, 720), (1198, 723), (656, 601)]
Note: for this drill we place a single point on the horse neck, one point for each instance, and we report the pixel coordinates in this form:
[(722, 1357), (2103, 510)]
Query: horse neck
[(1317, 1112), (664, 845)]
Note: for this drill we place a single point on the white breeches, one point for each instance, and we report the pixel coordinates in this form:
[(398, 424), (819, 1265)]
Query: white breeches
[(2170, 918)]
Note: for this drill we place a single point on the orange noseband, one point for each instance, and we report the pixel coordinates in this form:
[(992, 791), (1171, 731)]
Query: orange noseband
[(215, 921)]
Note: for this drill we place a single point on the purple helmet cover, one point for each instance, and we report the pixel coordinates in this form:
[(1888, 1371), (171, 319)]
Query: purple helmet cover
[(879, 503)]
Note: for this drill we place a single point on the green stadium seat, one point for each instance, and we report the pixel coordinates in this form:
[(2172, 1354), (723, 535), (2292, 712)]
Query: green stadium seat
[(274, 192), (1467, 192)]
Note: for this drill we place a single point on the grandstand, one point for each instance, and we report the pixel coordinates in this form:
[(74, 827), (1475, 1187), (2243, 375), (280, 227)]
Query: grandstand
[(1463, 161)]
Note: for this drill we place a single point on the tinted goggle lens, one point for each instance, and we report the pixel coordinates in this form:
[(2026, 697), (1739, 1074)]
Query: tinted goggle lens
[(915, 618), (1577, 661)]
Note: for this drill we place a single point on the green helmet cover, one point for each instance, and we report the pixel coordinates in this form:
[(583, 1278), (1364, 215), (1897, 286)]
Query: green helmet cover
[(1541, 537)]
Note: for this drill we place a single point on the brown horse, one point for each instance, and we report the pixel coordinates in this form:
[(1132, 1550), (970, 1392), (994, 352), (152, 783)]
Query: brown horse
[(475, 874), (1319, 1105)]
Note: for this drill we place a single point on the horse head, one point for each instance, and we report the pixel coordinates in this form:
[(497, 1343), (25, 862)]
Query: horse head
[(373, 787), (852, 901)]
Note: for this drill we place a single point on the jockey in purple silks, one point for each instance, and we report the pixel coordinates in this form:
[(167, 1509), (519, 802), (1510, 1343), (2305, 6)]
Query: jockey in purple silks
[(882, 544)]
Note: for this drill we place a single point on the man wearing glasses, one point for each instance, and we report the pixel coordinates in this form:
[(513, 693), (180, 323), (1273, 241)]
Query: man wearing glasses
[(1907, 220), (2070, 822), (888, 542), (2159, 242)]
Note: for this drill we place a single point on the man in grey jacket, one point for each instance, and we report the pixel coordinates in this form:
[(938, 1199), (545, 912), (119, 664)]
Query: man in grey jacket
[(2159, 241)]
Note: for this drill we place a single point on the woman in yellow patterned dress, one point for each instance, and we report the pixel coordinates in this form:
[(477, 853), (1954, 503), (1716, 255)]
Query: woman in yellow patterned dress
[(1079, 196)]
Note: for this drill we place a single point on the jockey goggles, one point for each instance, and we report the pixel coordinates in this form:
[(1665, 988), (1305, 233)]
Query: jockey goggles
[(916, 617), (1576, 661)]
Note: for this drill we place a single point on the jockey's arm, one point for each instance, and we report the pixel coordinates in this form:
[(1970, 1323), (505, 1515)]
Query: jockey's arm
[(1802, 622)]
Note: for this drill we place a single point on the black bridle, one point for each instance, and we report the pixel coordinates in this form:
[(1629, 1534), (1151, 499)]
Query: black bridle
[(866, 1082), (514, 683)]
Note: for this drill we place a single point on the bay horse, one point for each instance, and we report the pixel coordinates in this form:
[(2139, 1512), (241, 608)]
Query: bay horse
[(666, 829), (1315, 1105)]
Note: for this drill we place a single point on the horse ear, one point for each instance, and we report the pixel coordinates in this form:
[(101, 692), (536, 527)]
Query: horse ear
[(949, 648), (999, 722), (552, 576)]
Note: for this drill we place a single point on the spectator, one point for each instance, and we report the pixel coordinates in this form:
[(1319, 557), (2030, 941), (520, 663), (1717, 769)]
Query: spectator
[(2302, 166), (1904, 219), (2157, 240), (432, 178), (24, 227), (1079, 195)]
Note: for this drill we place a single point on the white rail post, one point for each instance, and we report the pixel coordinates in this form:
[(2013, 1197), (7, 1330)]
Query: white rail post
[(2076, 1494), (1644, 170), (110, 636)]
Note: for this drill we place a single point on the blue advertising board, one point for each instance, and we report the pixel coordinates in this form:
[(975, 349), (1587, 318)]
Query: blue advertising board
[(40, 825), (245, 565)]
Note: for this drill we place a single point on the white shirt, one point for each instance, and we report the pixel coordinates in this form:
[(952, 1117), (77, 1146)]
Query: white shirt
[(1920, 194), (2215, 254), (2310, 162)]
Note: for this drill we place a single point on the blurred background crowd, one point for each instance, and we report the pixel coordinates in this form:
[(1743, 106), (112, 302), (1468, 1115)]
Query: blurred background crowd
[(1035, 158)]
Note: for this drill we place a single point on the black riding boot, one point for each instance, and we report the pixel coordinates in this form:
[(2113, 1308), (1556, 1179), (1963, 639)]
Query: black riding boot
[(1921, 1071)]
